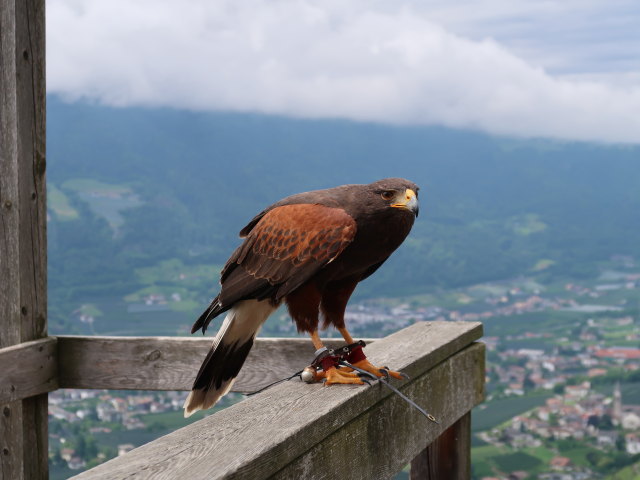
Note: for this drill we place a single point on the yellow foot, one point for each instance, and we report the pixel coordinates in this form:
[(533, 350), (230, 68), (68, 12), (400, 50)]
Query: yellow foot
[(333, 376), (377, 371), (345, 371)]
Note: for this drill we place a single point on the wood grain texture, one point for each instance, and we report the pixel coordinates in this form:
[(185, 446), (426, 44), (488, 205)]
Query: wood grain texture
[(171, 363), (23, 262), (448, 456), (11, 435), (295, 430), (9, 211), (28, 369)]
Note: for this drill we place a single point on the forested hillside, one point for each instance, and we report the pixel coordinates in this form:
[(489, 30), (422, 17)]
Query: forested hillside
[(184, 183)]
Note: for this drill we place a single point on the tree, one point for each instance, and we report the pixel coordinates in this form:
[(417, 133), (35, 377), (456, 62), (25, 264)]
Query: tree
[(594, 458), (57, 460), (605, 422), (528, 384), (91, 448), (81, 446)]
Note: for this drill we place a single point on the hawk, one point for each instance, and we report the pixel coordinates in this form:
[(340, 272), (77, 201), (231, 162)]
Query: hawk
[(310, 251)]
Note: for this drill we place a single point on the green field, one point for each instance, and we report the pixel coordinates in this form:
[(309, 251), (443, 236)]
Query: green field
[(578, 455), (175, 272), (116, 320), (59, 204), (489, 415), (526, 224), (632, 472), (496, 461), (553, 322), (481, 457), (517, 461), (630, 392), (104, 199), (92, 185)]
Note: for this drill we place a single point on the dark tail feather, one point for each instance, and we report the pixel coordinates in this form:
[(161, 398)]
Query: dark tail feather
[(216, 375), (228, 352), (209, 314)]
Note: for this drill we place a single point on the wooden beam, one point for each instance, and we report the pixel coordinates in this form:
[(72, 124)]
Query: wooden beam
[(448, 456), (171, 363), (384, 438), (28, 369), (294, 430), (23, 264)]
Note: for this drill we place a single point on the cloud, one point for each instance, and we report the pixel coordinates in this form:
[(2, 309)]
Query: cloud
[(564, 36), (363, 60)]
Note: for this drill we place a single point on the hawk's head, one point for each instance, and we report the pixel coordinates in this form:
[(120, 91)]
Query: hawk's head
[(394, 193)]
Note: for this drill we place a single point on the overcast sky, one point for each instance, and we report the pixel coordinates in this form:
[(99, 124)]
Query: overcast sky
[(563, 69)]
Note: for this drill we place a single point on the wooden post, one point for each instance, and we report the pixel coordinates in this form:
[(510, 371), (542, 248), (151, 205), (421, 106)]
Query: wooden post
[(23, 263), (449, 456)]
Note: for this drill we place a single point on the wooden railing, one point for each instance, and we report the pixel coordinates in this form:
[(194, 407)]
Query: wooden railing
[(295, 430), (291, 430)]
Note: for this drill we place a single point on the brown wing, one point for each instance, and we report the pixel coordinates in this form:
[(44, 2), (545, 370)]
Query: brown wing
[(286, 247)]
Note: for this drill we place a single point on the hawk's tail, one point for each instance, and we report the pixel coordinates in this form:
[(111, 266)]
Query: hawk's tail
[(228, 353)]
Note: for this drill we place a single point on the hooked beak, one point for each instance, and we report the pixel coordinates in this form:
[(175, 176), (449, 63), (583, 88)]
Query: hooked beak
[(408, 200)]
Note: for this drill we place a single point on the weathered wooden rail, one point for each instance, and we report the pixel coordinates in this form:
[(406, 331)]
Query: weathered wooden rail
[(292, 430)]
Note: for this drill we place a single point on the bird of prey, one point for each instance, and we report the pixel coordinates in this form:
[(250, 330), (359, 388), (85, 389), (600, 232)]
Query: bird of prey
[(308, 250)]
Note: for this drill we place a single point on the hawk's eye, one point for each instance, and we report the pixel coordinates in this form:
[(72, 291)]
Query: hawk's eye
[(387, 194)]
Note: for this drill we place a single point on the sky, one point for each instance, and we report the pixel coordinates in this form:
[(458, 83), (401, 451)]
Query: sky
[(566, 69)]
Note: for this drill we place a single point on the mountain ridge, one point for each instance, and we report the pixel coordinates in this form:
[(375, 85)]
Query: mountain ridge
[(490, 207)]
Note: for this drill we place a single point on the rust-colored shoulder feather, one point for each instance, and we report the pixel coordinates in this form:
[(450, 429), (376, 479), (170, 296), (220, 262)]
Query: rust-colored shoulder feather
[(290, 243)]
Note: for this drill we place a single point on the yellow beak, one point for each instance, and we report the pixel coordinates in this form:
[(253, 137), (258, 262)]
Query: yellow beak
[(408, 201)]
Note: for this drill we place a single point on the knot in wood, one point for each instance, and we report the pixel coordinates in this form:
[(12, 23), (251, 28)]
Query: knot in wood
[(8, 204), (153, 356), (6, 411)]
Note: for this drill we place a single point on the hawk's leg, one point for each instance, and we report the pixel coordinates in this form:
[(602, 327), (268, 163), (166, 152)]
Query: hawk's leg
[(333, 305), (359, 359), (303, 305), (333, 374)]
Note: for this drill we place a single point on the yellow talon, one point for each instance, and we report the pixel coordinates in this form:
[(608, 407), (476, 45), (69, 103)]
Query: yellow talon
[(335, 376)]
